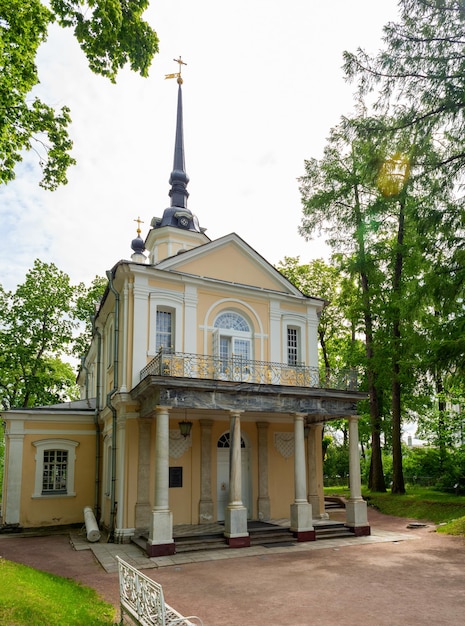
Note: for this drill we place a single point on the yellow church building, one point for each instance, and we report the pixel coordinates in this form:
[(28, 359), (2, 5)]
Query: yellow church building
[(200, 401)]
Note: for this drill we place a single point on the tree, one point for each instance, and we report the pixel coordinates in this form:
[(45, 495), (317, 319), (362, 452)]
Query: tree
[(420, 74), (39, 326), (335, 332), (337, 194), (87, 301), (110, 32)]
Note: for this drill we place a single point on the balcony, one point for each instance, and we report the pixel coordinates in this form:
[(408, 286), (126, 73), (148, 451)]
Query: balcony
[(238, 369)]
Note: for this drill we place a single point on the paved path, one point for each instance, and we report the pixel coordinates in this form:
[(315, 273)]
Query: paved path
[(397, 576)]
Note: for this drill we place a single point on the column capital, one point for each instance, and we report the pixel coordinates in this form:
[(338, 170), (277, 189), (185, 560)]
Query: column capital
[(234, 413)]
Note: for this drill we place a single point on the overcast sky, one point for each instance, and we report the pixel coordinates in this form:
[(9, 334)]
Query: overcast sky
[(262, 87)]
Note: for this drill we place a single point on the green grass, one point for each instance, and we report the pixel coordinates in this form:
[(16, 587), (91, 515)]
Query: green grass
[(418, 503), (33, 598)]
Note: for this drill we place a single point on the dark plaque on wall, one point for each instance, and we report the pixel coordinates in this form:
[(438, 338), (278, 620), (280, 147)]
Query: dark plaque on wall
[(175, 477)]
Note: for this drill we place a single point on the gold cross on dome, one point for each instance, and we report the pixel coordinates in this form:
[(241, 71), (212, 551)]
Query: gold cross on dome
[(139, 222), (177, 74)]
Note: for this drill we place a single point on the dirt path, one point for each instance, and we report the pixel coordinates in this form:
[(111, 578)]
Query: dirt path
[(417, 581)]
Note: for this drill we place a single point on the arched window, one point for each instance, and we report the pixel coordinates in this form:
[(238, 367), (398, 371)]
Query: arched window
[(232, 339)]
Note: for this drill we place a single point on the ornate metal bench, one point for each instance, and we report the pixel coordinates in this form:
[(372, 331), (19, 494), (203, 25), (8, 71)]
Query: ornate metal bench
[(142, 599)]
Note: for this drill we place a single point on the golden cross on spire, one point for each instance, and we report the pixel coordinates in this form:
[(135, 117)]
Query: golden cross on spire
[(139, 222), (177, 74)]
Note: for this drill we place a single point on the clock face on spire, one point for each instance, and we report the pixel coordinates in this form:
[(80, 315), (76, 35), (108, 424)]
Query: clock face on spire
[(183, 221)]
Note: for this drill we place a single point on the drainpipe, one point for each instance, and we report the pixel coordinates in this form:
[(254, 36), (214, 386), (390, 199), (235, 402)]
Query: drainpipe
[(111, 537), (97, 428)]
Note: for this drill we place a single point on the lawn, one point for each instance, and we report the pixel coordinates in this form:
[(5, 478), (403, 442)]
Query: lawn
[(418, 503), (33, 598)]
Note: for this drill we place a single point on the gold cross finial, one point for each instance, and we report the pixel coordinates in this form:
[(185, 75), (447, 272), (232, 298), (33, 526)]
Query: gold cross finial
[(177, 74), (139, 222)]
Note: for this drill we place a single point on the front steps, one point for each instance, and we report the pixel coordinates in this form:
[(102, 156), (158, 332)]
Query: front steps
[(261, 534)]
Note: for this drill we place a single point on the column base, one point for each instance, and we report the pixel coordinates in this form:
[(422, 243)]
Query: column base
[(238, 542), (356, 514), (301, 521), (305, 535), (360, 531), (160, 549), (235, 525), (161, 542)]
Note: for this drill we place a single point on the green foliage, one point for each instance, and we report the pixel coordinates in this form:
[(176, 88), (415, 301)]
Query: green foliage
[(454, 527), (336, 463), (111, 33), (87, 301), (419, 503), (32, 598), (419, 74), (38, 329)]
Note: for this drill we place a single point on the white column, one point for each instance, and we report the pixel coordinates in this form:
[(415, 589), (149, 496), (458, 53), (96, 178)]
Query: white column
[(235, 522), (301, 510), (161, 540), (356, 507)]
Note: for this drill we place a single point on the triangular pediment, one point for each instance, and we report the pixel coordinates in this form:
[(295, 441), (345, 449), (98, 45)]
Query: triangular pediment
[(230, 259)]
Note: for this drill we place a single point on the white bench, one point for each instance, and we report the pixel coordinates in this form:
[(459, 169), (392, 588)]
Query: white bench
[(142, 599)]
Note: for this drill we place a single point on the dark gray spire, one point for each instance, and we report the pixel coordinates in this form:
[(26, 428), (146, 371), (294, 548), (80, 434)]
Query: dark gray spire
[(179, 179), (178, 214)]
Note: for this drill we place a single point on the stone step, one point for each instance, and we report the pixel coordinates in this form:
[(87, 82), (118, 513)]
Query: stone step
[(259, 536)]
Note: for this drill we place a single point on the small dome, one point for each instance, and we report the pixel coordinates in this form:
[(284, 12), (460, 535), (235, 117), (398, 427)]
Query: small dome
[(137, 245)]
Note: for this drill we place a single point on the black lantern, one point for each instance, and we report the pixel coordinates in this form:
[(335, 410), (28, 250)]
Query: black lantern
[(185, 428)]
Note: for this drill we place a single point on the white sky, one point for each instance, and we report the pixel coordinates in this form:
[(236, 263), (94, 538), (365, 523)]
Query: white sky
[(262, 87)]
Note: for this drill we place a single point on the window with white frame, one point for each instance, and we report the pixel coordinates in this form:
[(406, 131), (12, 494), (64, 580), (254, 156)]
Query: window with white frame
[(293, 347), (233, 339), (164, 330), (55, 464)]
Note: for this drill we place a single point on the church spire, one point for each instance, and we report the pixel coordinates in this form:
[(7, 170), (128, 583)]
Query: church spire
[(178, 215)]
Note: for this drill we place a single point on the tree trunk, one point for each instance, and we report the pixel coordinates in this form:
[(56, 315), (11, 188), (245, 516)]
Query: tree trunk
[(376, 477), (398, 485)]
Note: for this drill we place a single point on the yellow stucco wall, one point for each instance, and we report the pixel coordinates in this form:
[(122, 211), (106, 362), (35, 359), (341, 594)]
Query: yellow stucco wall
[(231, 264), (56, 510)]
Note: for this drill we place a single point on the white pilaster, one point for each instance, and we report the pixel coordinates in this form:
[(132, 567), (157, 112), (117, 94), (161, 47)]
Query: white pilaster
[(14, 473), (140, 325), (190, 320), (263, 493)]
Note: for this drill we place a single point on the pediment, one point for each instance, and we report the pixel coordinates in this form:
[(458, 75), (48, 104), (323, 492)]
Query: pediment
[(230, 259)]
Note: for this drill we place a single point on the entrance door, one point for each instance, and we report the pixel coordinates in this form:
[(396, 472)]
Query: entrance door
[(222, 473)]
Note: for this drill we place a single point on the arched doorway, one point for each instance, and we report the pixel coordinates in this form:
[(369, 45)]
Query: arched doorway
[(222, 474)]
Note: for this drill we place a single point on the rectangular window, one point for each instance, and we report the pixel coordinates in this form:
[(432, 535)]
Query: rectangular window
[(292, 346), (164, 332), (55, 471)]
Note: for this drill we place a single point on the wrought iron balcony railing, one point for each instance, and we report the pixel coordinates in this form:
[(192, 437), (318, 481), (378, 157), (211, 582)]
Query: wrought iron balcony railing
[(179, 364)]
